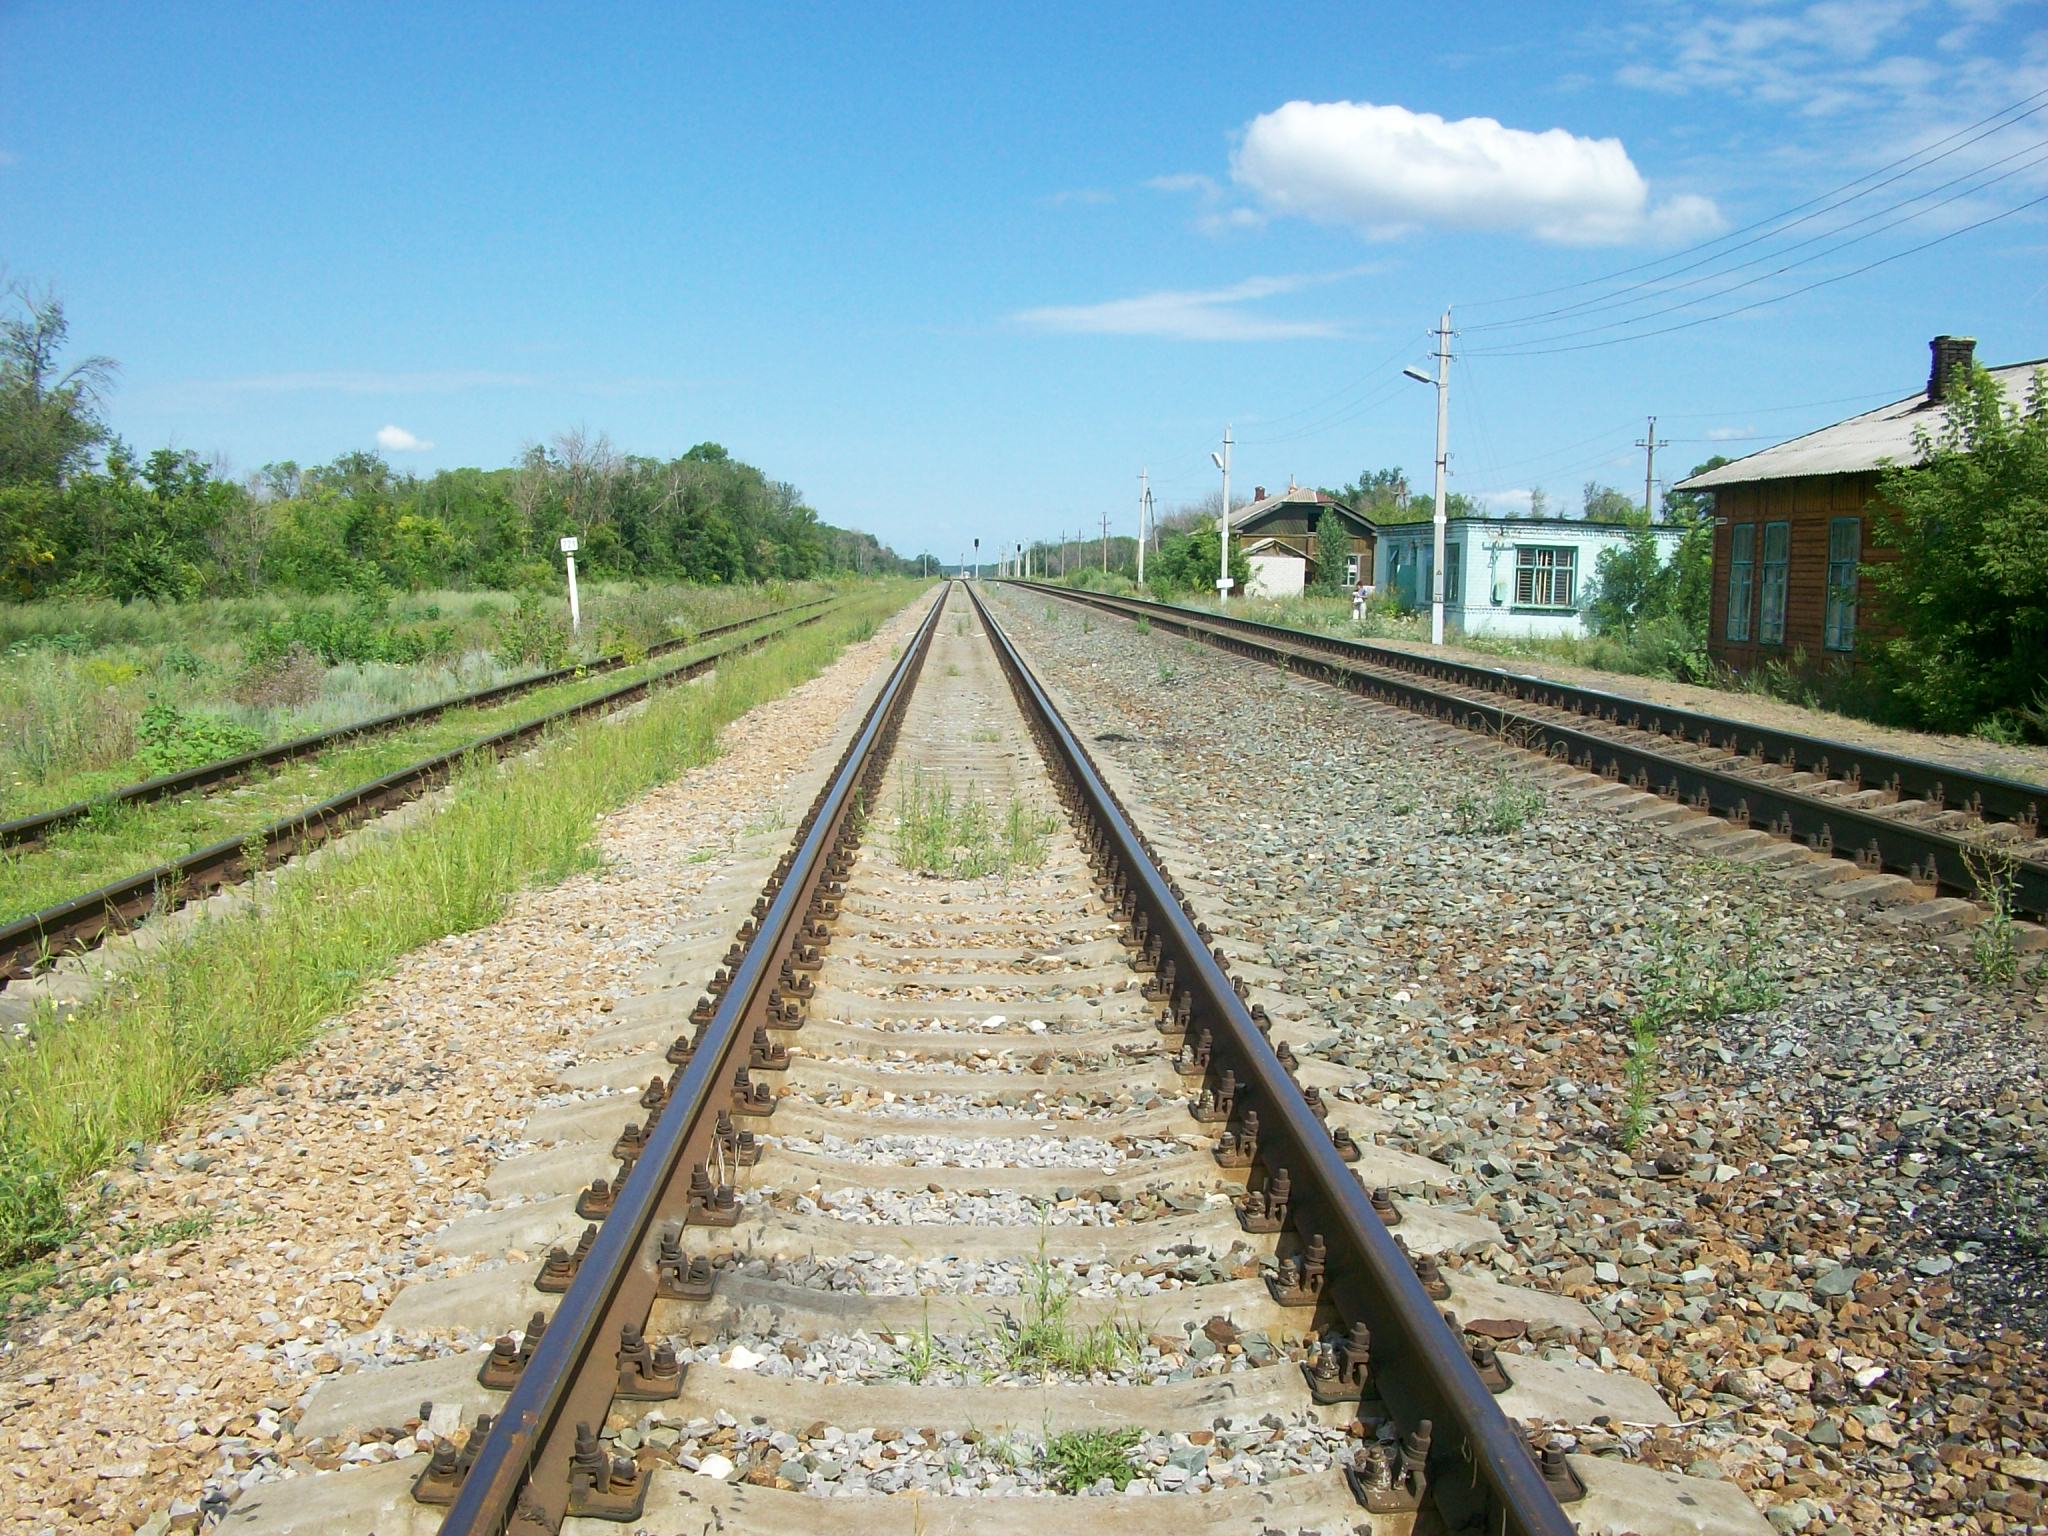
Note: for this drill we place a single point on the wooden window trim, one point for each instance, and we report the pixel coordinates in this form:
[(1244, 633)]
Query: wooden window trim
[(1740, 621), (1838, 624), (1776, 579)]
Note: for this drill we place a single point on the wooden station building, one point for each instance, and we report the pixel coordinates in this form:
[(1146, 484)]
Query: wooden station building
[(1792, 523)]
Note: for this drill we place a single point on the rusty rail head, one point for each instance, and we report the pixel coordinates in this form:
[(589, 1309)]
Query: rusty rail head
[(1424, 1371), (522, 1469)]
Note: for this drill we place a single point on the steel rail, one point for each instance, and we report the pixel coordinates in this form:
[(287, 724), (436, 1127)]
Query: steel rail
[(1418, 1366), (33, 828), (31, 943), (521, 1477), (1942, 856), (1992, 796)]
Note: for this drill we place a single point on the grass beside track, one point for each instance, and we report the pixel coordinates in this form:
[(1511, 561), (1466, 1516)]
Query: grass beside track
[(246, 991), (115, 841)]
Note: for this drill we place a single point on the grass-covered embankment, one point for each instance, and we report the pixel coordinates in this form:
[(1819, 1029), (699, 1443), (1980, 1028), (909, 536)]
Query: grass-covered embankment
[(246, 991), (81, 678), (116, 841)]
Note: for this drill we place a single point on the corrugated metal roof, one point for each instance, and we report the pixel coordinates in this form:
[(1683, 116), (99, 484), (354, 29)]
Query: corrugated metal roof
[(1858, 444)]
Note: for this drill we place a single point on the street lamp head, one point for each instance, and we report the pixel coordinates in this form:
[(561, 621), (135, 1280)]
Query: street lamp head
[(1418, 375), (1216, 459)]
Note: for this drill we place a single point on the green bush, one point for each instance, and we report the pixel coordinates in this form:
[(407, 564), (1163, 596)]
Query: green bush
[(362, 632), (1968, 593), (534, 633), (1089, 579), (169, 738)]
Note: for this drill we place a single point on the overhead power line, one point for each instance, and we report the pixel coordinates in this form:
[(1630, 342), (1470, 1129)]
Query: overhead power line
[(1658, 288), (2025, 107), (1763, 277), (1779, 298)]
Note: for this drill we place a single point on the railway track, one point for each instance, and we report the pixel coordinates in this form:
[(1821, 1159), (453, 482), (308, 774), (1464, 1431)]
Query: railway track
[(25, 831), (33, 943), (1912, 828), (950, 1198)]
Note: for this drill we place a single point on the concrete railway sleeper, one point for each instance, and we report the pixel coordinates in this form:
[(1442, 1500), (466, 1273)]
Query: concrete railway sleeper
[(1905, 823), (34, 943), (933, 1198)]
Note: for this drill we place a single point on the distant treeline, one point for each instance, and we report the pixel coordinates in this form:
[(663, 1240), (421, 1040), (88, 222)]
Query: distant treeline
[(81, 513)]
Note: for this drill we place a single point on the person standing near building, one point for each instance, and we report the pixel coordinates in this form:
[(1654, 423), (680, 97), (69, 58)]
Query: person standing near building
[(1360, 595)]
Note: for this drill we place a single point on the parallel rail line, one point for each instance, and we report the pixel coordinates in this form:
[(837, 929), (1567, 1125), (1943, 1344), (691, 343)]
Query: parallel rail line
[(24, 830), (540, 1459), (1928, 821), (33, 943)]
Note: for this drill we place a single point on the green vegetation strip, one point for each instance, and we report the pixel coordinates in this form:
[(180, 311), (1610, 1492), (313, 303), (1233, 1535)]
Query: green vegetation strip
[(248, 990), (114, 840)]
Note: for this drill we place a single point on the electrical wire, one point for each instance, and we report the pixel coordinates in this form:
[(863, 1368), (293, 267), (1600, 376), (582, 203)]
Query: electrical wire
[(1751, 282), (2033, 103), (1686, 325), (1619, 301)]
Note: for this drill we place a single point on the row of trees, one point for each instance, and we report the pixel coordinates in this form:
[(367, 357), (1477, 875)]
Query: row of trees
[(80, 512)]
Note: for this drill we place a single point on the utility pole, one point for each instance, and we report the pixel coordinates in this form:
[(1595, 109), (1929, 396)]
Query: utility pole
[(1443, 461), (1650, 444), (1105, 543), (1443, 469), (1144, 513), (1222, 462)]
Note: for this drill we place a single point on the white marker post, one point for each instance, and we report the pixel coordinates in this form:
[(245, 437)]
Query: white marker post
[(575, 611)]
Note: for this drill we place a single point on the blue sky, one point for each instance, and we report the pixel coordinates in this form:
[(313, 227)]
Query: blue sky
[(958, 270)]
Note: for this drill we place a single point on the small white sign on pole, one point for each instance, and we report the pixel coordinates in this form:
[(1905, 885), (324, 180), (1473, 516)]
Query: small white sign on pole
[(569, 547)]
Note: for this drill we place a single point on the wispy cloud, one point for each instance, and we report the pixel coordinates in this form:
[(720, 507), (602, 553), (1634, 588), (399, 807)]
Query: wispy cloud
[(1212, 314), (1386, 171), (1078, 196), (1730, 434), (1216, 215), (367, 381), (8, 157), (398, 440)]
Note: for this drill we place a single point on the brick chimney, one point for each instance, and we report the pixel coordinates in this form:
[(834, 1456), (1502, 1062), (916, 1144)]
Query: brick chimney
[(1953, 357), (1258, 493)]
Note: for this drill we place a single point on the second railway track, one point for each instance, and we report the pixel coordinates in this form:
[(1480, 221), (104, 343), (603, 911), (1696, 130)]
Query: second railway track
[(1910, 826), (33, 943), (951, 1201)]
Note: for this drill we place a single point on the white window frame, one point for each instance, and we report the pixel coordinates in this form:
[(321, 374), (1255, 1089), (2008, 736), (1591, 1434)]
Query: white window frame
[(1540, 570)]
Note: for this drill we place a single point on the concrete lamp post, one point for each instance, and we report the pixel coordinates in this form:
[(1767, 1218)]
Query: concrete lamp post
[(1223, 581), (1442, 381)]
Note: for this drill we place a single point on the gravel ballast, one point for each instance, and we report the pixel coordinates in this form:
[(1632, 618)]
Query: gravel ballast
[(1823, 1246)]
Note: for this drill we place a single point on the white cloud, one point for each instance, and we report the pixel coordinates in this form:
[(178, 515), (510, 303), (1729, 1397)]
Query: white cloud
[(1085, 196), (398, 440), (1216, 216), (1215, 314), (1186, 181), (1730, 434), (1387, 170)]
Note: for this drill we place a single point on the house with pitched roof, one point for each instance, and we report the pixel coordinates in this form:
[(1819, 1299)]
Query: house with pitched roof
[(1278, 536), (1793, 527)]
